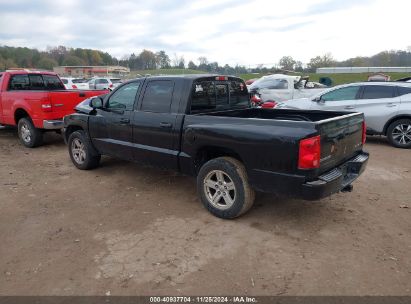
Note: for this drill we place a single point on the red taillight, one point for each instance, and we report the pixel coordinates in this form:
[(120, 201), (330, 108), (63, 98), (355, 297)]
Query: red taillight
[(310, 152), (74, 86), (222, 78), (364, 132), (111, 85)]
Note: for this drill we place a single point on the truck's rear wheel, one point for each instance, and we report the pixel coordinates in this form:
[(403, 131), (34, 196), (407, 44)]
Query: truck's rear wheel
[(223, 187), (29, 135), (399, 133), (81, 152)]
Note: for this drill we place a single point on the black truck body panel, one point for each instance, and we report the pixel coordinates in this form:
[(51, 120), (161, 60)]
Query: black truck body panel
[(266, 141)]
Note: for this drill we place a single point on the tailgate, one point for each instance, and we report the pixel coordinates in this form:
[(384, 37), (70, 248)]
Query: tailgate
[(341, 139), (63, 102)]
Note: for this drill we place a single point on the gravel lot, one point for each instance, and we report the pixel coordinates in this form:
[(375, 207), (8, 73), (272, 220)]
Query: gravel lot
[(130, 230)]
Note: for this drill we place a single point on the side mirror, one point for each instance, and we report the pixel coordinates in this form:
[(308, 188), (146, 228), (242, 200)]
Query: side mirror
[(317, 99), (96, 103)]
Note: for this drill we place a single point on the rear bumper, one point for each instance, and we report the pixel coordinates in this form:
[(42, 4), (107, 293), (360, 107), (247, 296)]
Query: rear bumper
[(335, 180), (53, 124)]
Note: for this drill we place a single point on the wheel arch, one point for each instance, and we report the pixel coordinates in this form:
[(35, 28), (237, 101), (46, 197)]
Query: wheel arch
[(206, 153), (20, 113), (398, 117), (71, 129)]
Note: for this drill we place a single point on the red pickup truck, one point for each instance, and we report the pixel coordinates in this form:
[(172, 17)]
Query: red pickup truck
[(36, 102)]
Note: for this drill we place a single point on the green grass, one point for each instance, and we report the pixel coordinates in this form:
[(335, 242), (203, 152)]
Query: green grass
[(336, 78)]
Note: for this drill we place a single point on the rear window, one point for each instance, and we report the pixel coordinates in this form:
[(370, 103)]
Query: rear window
[(376, 92), (101, 81), (157, 96), (215, 95), (115, 80), (79, 80), (65, 81)]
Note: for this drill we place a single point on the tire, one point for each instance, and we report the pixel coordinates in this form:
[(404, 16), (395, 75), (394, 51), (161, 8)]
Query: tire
[(29, 135), (82, 153), (225, 180), (399, 133)]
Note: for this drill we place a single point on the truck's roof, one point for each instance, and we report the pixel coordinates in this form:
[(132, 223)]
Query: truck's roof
[(190, 77), (22, 72)]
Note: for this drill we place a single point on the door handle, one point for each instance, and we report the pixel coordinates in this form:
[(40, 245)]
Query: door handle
[(390, 105), (349, 107), (124, 121), (165, 125)]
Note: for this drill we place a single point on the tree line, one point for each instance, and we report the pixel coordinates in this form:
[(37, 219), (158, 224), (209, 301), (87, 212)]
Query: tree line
[(19, 57)]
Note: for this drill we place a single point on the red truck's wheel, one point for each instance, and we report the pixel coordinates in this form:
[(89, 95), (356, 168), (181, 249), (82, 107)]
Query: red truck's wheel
[(81, 151), (29, 135), (223, 187)]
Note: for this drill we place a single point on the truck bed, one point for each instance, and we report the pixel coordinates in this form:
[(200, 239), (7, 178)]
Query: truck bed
[(280, 114)]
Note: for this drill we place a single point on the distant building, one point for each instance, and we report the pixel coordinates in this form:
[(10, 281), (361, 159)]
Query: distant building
[(346, 70), (89, 71), (379, 77)]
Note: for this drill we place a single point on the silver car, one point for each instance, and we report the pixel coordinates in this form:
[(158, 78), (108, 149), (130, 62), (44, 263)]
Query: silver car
[(104, 83), (386, 107)]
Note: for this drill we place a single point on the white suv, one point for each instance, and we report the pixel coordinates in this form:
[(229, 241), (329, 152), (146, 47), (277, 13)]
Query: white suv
[(386, 107)]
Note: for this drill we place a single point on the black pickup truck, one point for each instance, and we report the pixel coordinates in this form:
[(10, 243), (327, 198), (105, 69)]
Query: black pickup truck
[(203, 125)]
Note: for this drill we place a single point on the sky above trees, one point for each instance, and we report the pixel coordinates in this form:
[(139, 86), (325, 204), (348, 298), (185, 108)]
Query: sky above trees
[(244, 32)]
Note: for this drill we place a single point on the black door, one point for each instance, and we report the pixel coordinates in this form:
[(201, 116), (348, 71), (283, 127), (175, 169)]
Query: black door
[(111, 127), (155, 134)]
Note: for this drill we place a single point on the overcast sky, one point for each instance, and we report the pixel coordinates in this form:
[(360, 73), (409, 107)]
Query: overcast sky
[(228, 31)]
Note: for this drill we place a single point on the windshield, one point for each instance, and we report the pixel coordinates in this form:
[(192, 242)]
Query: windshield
[(270, 83)]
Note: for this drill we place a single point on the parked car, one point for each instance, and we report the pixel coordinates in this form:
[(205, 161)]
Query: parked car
[(386, 106), (75, 83), (204, 126), (116, 82), (36, 102), (279, 87), (100, 84)]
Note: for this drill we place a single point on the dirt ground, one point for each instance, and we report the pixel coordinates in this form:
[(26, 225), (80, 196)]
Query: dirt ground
[(130, 230)]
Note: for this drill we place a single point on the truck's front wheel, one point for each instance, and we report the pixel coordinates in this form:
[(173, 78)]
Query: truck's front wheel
[(81, 152), (223, 187), (29, 135)]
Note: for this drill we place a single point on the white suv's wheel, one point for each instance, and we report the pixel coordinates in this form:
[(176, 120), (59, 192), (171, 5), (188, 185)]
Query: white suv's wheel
[(399, 133)]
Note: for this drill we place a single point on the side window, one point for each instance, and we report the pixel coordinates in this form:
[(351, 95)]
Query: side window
[(376, 91), (19, 82), (157, 96), (124, 97), (404, 90), (347, 93), (36, 82), (52, 82), (65, 81)]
